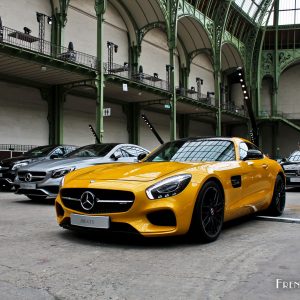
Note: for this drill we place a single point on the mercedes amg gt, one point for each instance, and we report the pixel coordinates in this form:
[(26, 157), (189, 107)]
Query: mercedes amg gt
[(188, 186)]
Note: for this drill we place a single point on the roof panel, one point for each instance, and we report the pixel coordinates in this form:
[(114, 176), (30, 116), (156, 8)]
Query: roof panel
[(289, 11), (250, 7)]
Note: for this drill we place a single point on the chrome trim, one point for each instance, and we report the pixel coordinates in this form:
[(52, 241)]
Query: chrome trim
[(114, 201), (34, 194), (70, 198), (100, 200)]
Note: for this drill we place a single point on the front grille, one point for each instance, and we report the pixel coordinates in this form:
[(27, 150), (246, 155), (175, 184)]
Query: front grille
[(4, 169), (105, 201), (291, 172), (35, 176)]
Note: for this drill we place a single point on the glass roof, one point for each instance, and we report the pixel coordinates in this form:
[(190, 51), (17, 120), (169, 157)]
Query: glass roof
[(289, 11), (250, 7)]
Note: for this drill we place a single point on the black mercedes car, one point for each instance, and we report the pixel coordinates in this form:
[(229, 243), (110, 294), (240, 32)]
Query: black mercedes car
[(9, 166), (291, 167)]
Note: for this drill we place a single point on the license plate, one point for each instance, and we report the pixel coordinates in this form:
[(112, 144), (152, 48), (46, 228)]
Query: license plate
[(294, 179), (28, 186), (90, 221)]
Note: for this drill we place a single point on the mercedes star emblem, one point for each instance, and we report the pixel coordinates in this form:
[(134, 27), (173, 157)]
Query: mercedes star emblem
[(87, 200), (28, 177)]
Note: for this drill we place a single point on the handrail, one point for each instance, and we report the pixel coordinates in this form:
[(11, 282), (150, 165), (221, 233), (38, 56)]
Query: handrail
[(125, 72), (230, 107), (32, 43), (16, 147), (195, 95)]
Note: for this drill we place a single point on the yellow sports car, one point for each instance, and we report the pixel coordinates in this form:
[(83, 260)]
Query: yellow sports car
[(189, 186)]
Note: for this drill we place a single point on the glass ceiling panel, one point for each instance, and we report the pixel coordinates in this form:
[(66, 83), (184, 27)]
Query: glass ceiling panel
[(289, 11), (250, 7)]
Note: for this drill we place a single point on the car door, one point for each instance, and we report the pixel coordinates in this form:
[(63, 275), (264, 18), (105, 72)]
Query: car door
[(255, 175)]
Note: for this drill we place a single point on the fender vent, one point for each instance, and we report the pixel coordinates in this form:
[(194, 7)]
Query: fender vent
[(236, 181)]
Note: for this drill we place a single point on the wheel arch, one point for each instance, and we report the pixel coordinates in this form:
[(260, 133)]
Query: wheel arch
[(217, 181), (281, 174)]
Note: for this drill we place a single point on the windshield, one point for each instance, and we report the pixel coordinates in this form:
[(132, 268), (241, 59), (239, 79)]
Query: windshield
[(39, 151), (295, 156), (95, 150), (195, 150)]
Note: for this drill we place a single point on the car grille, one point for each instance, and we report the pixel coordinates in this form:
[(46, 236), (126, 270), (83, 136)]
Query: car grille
[(291, 172), (35, 176), (105, 201)]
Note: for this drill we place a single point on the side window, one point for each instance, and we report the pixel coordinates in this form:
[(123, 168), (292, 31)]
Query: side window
[(118, 153), (131, 151), (139, 150), (244, 147), (68, 149), (243, 150), (58, 151), (125, 153)]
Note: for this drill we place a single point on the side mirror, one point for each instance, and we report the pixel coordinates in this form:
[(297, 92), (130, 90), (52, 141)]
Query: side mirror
[(141, 156), (253, 154), (54, 156), (283, 160), (115, 156)]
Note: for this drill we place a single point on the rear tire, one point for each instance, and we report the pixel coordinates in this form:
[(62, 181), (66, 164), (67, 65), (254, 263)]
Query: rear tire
[(277, 205), (36, 198), (208, 215)]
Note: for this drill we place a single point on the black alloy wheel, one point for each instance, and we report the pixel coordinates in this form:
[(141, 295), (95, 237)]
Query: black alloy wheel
[(277, 205), (208, 213)]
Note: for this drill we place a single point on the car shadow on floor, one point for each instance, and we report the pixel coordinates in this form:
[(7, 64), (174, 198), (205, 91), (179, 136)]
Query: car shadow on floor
[(126, 240), (27, 201)]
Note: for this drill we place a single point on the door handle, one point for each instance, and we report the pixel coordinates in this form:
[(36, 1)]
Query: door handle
[(265, 166)]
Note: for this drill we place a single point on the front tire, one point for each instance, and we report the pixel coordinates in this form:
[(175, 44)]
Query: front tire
[(277, 205), (208, 215)]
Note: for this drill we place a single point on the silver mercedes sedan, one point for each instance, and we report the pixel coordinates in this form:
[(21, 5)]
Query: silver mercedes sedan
[(41, 180)]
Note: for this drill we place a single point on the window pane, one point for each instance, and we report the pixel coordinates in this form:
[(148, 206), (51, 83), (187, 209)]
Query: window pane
[(286, 17)]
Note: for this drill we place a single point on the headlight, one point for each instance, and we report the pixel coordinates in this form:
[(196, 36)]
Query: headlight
[(168, 187), (19, 165), (62, 172)]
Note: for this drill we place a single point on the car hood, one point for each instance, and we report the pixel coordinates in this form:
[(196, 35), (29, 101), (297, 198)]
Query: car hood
[(54, 164), (9, 162), (144, 171)]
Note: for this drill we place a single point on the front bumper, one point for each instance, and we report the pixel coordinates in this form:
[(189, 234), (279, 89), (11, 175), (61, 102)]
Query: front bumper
[(6, 182), (49, 187), (7, 178), (292, 181), (163, 217)]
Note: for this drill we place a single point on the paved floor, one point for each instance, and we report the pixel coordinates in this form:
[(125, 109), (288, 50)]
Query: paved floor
[(39, 260)]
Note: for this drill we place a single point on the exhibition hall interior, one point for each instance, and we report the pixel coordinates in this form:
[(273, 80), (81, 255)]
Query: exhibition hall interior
[(149, 149), (193, 68)]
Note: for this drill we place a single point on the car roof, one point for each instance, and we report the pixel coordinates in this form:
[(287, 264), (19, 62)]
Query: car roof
[(213, 138)]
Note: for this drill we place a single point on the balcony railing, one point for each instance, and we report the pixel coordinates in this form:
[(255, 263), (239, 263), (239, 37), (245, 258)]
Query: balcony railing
[(125, 72), (14, 147), (230, 107), (195, 95), (35, 44)]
